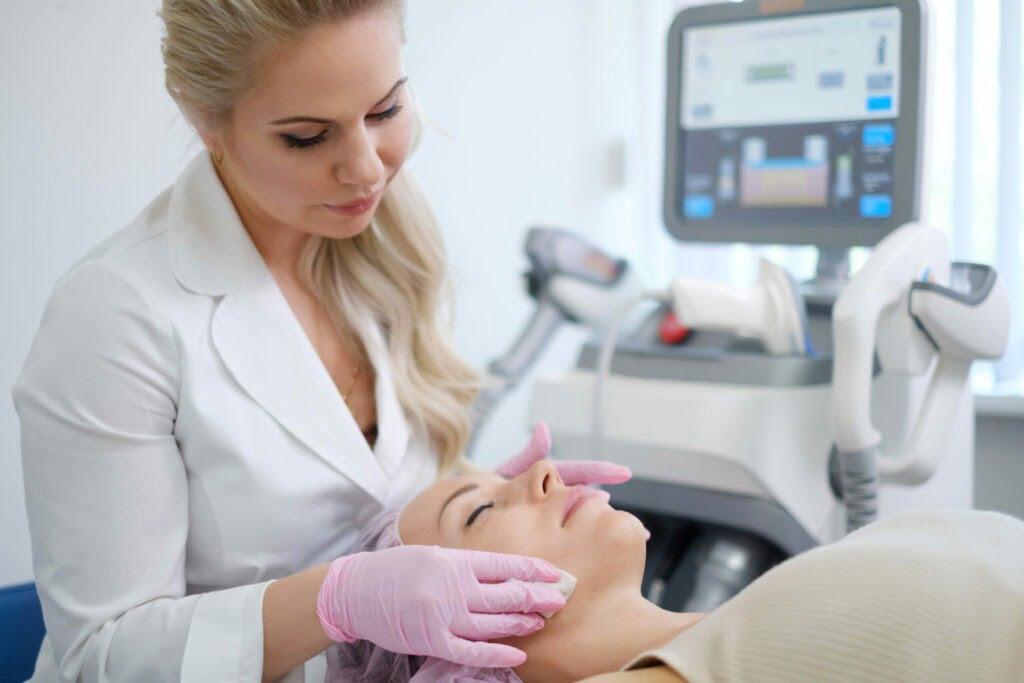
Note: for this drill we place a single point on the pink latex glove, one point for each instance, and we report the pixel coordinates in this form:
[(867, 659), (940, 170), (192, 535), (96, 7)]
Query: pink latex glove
[(426, 600), (572, 472)]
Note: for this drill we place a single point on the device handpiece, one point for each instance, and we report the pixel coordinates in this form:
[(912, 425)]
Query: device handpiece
[(773, 310)]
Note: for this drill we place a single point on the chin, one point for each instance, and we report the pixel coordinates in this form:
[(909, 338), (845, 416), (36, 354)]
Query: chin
[(629, 531), (606, 525), (613, 548), (626, 539), (343, 229)]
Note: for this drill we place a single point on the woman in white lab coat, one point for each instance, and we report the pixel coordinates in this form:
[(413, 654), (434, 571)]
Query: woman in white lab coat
[(224, 391)]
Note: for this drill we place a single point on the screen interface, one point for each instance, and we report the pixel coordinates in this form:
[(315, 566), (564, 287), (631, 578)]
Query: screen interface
[(791, 120)]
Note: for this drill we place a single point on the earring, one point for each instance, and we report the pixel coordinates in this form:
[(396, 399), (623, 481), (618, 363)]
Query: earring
[(218, 156)]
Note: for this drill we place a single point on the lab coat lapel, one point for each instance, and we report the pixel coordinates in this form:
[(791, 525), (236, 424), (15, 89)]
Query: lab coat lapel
[(255, 333), (268, 353)]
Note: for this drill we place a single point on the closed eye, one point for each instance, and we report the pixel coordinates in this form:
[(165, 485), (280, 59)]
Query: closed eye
[(301, 143), (476, 513), (390, 113)]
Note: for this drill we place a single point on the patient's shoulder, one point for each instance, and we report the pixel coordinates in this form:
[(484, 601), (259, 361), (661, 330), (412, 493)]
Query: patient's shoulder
[(654, 674)]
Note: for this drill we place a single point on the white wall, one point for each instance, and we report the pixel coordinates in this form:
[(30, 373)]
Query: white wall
[(529, 100), (530, 96)]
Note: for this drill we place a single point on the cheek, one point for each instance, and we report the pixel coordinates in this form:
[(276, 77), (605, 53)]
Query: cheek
[(561, 549), (393, 145), (276, 175), (516, 532), (605, 546), (286, 193)]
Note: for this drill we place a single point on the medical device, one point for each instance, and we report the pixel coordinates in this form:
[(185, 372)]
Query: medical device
[(897, 306), (769, 428), (571, 281)]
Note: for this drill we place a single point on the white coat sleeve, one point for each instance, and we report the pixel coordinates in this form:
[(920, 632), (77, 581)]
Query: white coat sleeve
[(108, 500)]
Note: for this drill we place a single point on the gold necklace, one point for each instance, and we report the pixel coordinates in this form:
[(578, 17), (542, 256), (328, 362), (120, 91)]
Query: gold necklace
[(352, 385)]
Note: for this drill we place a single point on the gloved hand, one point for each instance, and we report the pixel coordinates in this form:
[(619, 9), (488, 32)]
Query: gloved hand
[(572, 472), (426, 600)]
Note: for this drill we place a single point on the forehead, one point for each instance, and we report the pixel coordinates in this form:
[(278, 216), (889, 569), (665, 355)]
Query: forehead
[(337, 67)]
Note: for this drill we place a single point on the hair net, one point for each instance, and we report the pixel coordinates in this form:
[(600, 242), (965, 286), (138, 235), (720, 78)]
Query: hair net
[(365, 662)]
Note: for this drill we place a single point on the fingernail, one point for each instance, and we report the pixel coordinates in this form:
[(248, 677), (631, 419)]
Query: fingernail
[(551, 572), (647, 534), (552, 602), (555, 595), (533, 626), (512, 661)]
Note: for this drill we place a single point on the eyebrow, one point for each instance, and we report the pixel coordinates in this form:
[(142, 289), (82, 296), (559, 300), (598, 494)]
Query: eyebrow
[(465, 489), (313, 119)]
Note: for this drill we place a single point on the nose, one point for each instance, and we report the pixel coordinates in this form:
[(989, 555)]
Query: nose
[(360, 163), (541, 481)]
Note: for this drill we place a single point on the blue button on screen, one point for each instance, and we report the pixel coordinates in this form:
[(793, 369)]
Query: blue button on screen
[(879, 136), (876, 206), (699, 206), (880, 103)]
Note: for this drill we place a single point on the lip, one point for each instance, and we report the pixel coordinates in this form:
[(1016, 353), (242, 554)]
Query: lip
[(576, 497), (355, 208)]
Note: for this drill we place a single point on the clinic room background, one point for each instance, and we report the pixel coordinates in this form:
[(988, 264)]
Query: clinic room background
[(556, 120)]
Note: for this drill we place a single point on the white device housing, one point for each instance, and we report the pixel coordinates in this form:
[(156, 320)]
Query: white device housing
[(770, 443), (770, 311), (913, 324)]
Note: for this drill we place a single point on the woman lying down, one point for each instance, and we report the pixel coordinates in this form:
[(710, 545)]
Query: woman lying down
[(934, 596)]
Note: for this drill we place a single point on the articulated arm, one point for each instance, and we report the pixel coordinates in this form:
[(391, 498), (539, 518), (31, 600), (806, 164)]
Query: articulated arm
[(571, 281)]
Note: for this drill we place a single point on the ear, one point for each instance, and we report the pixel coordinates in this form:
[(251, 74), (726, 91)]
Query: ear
[(212, 133), (210, 141)]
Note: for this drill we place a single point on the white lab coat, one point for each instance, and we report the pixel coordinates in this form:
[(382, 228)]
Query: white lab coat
[(183, 446)]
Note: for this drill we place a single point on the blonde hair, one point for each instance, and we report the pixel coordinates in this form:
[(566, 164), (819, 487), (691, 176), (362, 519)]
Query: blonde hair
[(396, 270)]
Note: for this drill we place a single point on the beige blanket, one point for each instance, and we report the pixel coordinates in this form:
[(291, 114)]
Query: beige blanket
[(925, 596)]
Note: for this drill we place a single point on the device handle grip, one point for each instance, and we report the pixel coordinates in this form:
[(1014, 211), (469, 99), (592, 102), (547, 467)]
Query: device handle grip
[(852, 376), (929, 438)]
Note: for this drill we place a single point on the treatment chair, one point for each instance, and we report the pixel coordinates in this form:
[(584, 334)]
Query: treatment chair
[(21, 632)]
